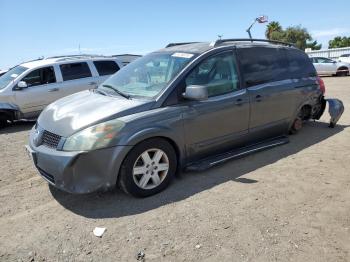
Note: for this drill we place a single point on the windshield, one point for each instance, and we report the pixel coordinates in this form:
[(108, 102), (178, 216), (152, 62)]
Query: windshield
[(11, 75), (148, 75)]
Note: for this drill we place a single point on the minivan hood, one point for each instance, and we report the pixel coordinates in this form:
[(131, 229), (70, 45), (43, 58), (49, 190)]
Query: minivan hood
[(76, 112)]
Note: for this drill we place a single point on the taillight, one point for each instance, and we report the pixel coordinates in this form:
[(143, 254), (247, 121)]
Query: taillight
[(321, 84)]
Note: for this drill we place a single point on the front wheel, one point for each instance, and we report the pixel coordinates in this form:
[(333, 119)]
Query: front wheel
[(148, 168), (3, 121)]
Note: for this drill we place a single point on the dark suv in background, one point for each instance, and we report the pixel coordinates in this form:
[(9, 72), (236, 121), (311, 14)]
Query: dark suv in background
[(187, 106)]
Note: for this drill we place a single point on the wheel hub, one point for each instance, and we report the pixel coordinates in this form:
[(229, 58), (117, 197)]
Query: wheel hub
[(150, 168)]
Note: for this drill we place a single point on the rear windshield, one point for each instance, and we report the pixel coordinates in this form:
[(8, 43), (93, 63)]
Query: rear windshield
[(11, 75)]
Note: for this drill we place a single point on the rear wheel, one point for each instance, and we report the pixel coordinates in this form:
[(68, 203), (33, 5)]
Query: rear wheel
[(343, 71), (148, 168)]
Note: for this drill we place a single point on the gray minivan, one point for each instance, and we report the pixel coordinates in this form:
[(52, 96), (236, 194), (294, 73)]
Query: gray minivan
[(188, 106)]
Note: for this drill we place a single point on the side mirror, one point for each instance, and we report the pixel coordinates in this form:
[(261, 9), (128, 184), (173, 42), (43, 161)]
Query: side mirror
[(21, 85), (196, 92)]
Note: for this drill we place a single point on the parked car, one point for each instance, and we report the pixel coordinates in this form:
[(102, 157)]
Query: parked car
[(27, 89), (326, 66), (184, 107), (345, 58), (2, 72), (126, 58)]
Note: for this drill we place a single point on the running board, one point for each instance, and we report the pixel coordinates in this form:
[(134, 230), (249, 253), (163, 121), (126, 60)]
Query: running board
[(219, 159)]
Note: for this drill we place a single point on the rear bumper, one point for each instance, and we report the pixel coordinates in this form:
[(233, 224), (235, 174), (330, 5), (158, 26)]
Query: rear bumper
[(78, 172)]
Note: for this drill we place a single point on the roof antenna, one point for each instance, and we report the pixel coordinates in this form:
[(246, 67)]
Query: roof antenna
[(220, 36)]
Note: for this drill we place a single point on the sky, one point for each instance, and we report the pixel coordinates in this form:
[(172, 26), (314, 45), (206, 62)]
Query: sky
[(35, 28)]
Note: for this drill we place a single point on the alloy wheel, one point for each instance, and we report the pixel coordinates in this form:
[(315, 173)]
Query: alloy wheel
[(150, 168)]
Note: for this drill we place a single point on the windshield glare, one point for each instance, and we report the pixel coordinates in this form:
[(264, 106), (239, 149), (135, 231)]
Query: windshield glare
[(148, 75), (11, 75)]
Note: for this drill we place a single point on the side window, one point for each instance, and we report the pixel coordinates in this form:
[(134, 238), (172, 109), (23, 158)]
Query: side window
[(75, 71), (300, 65), (217, 73), (263, 64), (40, 76), (106, 67)]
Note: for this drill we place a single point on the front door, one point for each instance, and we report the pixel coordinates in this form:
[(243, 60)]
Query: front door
[(42, 89), (221, 122)]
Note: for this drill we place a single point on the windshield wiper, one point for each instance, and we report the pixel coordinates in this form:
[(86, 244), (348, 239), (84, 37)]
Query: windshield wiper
[(117, 91)]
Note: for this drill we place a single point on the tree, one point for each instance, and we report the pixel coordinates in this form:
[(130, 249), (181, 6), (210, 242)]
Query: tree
[(294, 34), (339, 41), (271, 28), (314, 45)]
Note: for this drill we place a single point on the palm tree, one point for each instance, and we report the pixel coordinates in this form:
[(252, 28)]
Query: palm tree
[(272, 27)]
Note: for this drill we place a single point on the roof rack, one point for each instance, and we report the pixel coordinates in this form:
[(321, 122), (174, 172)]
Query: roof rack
[(75, 56), (220, 41), (125, 55), (184, 43)]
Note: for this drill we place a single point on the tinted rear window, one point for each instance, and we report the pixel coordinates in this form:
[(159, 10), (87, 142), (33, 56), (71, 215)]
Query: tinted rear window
[(299, 64), (75, 71), (106, 67), (262, 65)]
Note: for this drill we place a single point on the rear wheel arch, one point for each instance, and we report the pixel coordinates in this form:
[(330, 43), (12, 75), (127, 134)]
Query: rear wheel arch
[(343, 70)]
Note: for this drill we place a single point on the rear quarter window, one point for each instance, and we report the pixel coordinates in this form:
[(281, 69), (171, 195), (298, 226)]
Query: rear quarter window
[(106, 67), (75, 71), (299, 64), (262, 65)]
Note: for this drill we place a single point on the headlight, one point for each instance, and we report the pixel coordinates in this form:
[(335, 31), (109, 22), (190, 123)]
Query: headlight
[(95, 137)]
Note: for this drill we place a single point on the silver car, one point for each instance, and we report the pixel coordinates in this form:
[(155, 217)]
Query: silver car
[(326, 66), (185, 107), (27, 89)]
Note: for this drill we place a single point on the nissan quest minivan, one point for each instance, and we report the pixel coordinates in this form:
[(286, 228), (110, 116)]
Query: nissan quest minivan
[(189, 106)]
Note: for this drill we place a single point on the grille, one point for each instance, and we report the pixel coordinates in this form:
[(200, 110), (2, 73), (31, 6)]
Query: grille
[(47, 176), (50, 140)]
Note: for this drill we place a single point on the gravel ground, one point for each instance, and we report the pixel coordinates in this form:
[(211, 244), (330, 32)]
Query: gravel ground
[(289, 203)]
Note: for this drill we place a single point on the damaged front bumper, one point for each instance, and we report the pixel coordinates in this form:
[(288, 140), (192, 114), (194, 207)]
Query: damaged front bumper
[(78, 172)]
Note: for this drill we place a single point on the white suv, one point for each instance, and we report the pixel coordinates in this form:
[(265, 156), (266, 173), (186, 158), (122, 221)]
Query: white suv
[(27, 89)]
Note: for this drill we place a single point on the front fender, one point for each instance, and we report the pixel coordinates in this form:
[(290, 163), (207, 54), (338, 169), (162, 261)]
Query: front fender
[(172, 134)]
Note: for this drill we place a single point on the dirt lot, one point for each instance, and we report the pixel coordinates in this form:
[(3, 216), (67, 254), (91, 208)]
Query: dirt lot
[(290, 203)]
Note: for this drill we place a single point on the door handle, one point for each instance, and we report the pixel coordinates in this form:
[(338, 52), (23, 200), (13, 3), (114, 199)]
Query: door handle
[(258, 98), (53, 90), (92, 83), (239, 102)]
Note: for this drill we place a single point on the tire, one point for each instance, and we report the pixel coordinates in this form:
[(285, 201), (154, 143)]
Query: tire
[(343, 73), (3, 121), (141, 173)]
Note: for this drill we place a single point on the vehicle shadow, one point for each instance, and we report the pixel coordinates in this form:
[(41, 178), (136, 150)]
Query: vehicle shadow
[(18, 126), (116, 204)]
